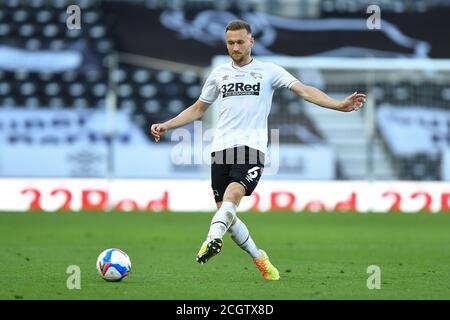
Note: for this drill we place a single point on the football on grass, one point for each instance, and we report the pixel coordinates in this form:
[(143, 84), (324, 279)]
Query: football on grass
[(113, 265)]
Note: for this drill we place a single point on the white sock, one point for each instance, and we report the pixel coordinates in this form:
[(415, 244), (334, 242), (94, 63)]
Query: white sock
[(222, 220), (239, 233)]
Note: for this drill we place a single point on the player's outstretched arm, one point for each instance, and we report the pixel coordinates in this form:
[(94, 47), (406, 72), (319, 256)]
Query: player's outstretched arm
[(188, 115), (352, 103)]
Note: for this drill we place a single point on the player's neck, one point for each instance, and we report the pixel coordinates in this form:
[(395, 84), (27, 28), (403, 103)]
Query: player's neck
[(247, 60)]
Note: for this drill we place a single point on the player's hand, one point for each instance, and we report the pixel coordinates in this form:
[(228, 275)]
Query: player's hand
[(353, 102), (157, 130)]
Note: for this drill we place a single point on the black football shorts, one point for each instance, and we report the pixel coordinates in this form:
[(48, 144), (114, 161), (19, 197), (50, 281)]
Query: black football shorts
[(241, 164)]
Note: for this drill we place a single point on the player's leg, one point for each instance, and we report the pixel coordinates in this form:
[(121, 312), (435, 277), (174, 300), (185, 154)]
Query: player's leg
[(219, 182), (248, 175), (226, 214), (241, 236), (245, 174), (221, 221), (243, 179)]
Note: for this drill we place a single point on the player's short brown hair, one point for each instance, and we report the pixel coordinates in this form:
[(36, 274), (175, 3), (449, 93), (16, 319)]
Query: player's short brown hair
[(238, 25)]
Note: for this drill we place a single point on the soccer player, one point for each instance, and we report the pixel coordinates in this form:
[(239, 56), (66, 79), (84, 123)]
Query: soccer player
[(244, 87)]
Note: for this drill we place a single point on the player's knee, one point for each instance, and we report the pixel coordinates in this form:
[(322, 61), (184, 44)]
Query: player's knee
[(234, 195)]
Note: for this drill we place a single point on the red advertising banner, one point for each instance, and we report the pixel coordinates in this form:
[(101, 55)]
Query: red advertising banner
[(196, 195)]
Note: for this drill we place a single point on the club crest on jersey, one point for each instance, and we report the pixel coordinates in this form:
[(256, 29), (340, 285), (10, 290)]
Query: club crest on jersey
[(240, 89), (256, 75)]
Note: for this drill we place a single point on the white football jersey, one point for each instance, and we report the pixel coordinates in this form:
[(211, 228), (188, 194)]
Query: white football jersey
[(245, 98)]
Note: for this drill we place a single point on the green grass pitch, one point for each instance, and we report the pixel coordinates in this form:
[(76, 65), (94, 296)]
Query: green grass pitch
[(320, 256)]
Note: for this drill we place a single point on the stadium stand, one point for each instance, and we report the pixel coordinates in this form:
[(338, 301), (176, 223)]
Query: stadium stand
[(152, 94)]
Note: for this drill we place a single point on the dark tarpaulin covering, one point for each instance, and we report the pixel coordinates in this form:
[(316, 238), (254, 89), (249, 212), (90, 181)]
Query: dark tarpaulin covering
[(195, 36)]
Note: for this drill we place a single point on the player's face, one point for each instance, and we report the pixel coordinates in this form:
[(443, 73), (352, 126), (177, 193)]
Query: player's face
[(239, 44)]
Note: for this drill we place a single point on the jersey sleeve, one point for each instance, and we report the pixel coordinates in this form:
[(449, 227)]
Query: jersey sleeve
[(282, 78), (210, 90)]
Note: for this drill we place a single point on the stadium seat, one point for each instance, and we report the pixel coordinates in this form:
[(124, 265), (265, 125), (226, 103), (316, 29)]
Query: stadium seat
[(93, 76), (152, 106), (120, 75), (97, 31), (32, 103), (125, 90), (86, 4), (69, 76), (104, 46), (128, 104), (147, 91), (5, 88), (46, 76), (76, 89), (99, 103), (140, 120), (193, 91), (56, 45), (10, 102), (52, 89), (73, 33), (80, 103), (99, 90), (5, 29), (445, 94), (56, 103), (141, 76), (164, 77), (60, 4), (43, 16), (27, 89), (175, 106), (33, 44), (12, 4), (188, 77), (50, 31), (90, 17), (20, 16)]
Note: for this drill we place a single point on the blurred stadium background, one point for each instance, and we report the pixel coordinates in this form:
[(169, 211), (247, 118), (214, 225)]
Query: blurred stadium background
[(76, 104)]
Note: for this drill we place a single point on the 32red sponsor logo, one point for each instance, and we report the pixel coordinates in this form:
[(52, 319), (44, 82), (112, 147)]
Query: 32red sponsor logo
[(91, 199)]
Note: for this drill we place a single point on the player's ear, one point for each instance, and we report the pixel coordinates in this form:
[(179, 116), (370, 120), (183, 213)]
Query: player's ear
[(252, 41)]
